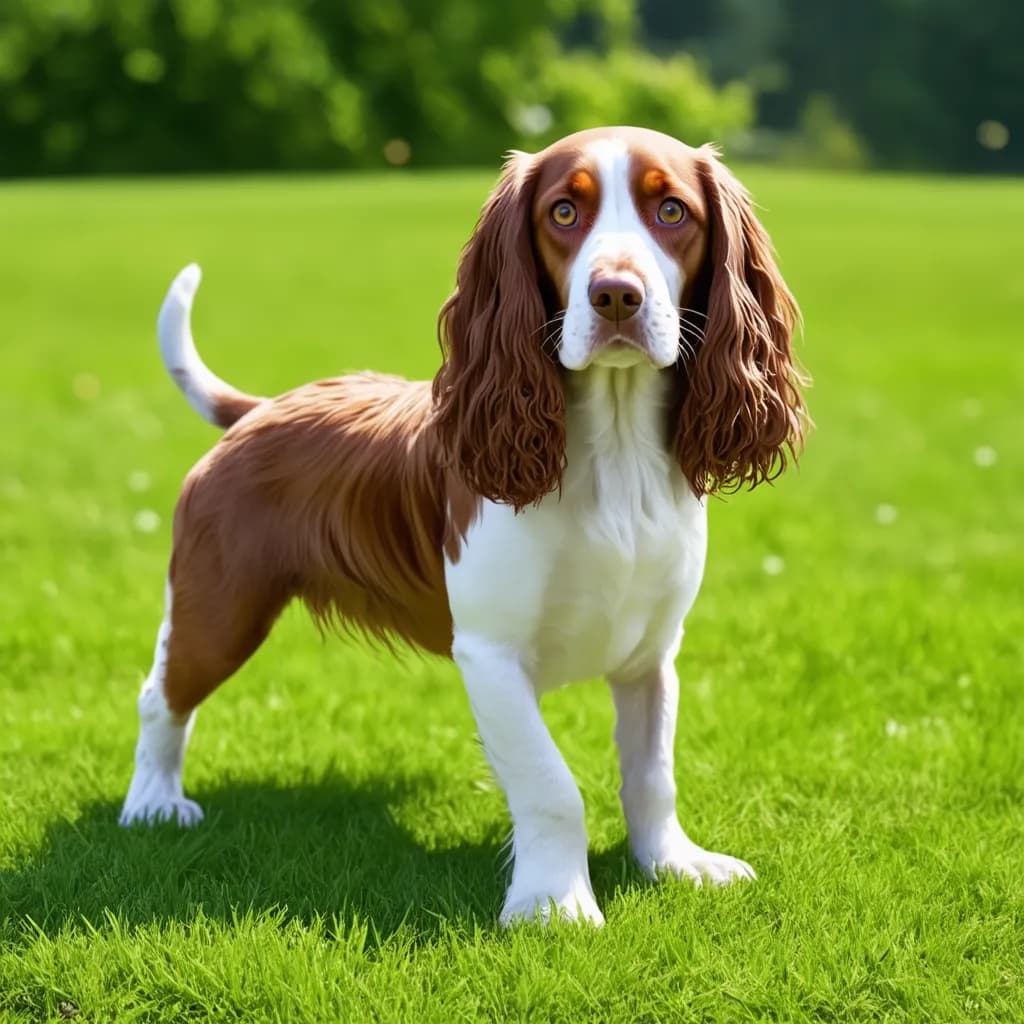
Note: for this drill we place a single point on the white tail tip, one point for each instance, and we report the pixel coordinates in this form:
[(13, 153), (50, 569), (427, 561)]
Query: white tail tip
[(216, 401), (188, 279)]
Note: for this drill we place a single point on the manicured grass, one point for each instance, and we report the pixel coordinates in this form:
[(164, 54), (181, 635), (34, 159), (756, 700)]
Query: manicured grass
[(851, 719)]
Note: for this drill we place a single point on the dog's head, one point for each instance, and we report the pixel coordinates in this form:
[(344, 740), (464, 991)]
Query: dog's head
[(617, 247)]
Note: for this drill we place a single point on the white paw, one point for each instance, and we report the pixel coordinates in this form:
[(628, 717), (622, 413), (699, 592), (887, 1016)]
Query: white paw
[(682, 858), (159, 802), (574, 902)]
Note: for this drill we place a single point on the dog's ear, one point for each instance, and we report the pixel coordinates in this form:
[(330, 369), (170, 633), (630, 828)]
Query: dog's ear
[(742, 416), (498, 396)]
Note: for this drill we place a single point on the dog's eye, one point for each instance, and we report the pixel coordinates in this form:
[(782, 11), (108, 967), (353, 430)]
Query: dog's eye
[(671, 212), (563, 213)]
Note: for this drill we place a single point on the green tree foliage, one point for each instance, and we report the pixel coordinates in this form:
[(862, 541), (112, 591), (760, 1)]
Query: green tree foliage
[(622, 87), (922, 83), (916, 78), (172, 85)]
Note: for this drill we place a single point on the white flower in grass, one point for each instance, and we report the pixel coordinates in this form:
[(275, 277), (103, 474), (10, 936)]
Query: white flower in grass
[(886, 515), (773, 565), (895, 730), (985, 456), (139, 480), (146, 521)]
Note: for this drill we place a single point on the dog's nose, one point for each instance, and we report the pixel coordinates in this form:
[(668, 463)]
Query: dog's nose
[(617, 297)]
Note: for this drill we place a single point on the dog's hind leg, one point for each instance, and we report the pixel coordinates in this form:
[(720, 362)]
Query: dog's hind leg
[(206, 635), (156, 792)]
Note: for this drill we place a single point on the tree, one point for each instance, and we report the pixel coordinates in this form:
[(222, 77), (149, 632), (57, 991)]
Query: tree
[(174, 85)]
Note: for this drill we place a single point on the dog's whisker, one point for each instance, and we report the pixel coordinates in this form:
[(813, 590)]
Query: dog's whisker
[(687, 350), (557, 318), (693, 337), (550, 344)]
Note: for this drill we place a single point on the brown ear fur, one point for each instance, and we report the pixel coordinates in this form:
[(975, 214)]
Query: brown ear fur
[(498, 395), (742, 416)]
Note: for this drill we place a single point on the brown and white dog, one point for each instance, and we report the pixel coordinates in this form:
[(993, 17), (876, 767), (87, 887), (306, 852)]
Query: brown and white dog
[(618, 346)]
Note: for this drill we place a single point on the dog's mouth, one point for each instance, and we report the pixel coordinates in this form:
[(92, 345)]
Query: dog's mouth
[(620, 350), (581, 340)]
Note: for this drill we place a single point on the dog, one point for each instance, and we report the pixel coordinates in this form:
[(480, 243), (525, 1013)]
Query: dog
[(617, 348)]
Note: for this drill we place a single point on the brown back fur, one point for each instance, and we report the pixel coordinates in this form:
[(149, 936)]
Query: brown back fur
[(334, 493)]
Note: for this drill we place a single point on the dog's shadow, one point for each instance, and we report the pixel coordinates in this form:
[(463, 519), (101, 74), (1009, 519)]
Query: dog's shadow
[(328, 850)]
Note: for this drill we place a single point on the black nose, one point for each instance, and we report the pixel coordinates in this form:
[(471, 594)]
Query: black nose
[(617, 297)]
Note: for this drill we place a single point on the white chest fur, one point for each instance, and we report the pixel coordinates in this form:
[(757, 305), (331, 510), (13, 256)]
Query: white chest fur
[(596, 580)]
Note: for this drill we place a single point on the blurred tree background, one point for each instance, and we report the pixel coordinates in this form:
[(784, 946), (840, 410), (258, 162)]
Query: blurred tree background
[(132, 86)]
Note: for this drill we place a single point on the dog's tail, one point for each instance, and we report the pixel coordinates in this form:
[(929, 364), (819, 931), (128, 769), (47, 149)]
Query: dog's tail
[(214, 399)]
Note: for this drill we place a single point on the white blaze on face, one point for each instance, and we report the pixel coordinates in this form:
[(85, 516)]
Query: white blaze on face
[(619, 239)]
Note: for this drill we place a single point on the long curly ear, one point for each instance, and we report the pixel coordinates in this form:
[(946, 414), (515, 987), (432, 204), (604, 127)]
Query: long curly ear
[(498, 396), (742, 417)]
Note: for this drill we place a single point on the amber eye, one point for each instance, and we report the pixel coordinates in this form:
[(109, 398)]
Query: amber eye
[(671, 212), (563, 213)]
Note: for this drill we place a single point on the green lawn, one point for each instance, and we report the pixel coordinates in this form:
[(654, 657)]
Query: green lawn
[(851, 718)]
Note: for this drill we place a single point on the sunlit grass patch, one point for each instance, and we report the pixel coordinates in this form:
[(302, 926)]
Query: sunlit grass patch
[(851, 712)]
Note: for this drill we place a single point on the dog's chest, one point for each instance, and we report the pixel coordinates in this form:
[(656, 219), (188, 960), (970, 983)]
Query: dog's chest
[(596, 579), (592, 582), (624, 572)]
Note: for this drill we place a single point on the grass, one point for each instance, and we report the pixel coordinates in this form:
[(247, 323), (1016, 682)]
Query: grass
[(851, 714)]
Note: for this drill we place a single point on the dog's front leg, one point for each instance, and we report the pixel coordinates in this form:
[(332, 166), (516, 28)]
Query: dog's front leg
[(645, 705), (549, 838)]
